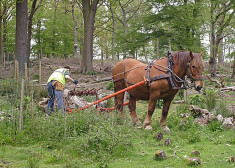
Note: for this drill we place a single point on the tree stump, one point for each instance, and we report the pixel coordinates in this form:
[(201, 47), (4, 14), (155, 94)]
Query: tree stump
[(160, 155), (159, 136)]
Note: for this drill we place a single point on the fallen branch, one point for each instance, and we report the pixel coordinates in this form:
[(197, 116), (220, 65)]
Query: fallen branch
[(227, 89), (103, 79), (220, 83)]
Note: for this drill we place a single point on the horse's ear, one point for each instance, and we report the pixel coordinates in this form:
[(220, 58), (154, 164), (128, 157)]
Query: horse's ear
[(191, 54), (201, 53)]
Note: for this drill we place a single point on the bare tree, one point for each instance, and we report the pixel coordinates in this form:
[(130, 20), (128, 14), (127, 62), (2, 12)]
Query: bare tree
[(21, 34)]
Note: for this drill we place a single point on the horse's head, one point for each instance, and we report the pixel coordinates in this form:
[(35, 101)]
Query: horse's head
[(194, 70)]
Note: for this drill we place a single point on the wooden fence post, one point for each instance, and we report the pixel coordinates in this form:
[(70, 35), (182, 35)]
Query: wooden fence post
[(4, 60), (21, 106), (40, 74), (15, 69), (17, 72), (26, 76), (185, 95)]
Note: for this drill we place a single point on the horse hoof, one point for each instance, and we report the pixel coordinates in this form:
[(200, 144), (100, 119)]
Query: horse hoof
[(166, 129), (138, 125), (148, 127)]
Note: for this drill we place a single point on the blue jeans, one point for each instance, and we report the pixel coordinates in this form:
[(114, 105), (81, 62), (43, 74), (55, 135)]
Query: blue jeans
[(54, 94)]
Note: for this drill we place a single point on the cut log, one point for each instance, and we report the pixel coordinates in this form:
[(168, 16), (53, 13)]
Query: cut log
[(227, 89)]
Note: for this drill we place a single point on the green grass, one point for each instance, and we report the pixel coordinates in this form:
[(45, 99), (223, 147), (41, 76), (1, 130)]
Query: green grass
[(136, 149), (86, 139)]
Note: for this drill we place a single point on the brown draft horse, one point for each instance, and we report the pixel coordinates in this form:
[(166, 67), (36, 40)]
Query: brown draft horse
[(130, 71)]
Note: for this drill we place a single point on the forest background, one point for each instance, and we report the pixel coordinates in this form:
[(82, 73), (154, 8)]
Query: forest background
[(113, 29), (46, 34)]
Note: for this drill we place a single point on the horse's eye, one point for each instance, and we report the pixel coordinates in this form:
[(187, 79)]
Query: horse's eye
[(194, 66)]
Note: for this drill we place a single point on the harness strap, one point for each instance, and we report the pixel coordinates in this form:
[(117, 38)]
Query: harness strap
[(149, 66), (160, 77)]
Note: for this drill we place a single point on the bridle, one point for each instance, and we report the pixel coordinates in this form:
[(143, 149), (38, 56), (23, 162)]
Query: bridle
[(190, 75)]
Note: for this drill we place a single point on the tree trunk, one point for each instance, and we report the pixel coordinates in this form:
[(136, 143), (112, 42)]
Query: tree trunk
[(212, 60), (30, 23), (221, 53), (1, 55), (89, 11), (4, 35), (21, 34), (233, 73), (39, 52), (53, 31), (114, 30), (102, 57), (157, 42), (75, 31)]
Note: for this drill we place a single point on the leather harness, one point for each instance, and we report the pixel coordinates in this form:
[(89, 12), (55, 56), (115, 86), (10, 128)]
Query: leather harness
[(170, 75)]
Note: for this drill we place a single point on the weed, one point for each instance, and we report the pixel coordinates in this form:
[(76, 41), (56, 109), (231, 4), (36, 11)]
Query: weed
[(180, 94), (33, 162), (223, 110), (215, 125), (110, 86), (196, 99), (193, 136), (35, 76), (182, 108), (185, 123), (92, 73), (210, 99)]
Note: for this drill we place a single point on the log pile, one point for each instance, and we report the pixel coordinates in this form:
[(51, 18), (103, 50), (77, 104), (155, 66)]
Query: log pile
[(203, 117)]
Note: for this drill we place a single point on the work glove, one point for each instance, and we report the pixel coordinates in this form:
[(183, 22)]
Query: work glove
[(75, 81)]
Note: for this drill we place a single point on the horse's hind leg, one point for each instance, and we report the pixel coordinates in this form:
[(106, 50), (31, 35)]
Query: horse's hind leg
[(133, 114), (119, 103), (120, 97), (165, 110)]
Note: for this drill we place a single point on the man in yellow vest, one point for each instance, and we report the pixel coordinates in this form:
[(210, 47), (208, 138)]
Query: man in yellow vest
[(55, 87)]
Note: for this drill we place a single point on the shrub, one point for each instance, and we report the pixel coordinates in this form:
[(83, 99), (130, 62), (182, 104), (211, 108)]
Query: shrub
[(186, 123), (215, 126), (196, 99), (210, 99), (193, 136)]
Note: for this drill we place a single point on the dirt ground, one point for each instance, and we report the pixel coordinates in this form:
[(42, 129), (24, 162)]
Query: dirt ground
[(49, 65)]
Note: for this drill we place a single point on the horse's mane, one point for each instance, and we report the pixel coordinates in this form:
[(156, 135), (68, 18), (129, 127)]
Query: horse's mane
[(182, 58)]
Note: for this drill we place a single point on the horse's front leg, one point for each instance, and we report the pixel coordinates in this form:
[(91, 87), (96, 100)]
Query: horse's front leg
[(133, 114), (165, 110), (151, 108)]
